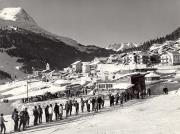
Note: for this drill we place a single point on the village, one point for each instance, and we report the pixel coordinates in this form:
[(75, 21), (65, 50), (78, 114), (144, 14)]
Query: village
[(127, 75), (134, 71)]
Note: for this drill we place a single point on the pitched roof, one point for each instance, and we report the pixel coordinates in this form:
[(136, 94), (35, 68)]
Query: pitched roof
[(76, 62), (152, 74)]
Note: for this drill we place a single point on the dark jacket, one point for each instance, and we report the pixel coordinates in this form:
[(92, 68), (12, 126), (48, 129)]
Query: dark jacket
[(56, 109), (35, 113)]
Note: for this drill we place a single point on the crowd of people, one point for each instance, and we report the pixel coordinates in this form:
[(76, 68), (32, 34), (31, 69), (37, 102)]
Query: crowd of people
[(93, 104)]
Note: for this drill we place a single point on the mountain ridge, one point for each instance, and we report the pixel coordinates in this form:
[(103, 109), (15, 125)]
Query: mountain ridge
[(34, 47)]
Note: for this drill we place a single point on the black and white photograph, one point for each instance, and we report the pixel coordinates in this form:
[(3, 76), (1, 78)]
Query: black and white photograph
[(89, 66)]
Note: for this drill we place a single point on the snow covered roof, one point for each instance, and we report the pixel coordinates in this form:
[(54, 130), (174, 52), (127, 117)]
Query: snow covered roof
[(94, 62), (61, 81), (125, 75), (76, 62), (152, 74), (123, 86), (101, 58)]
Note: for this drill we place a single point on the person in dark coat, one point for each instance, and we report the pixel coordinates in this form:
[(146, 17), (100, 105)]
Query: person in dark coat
[(22, 120), (93, 103), (149, 92), (70, 107), (82, 105), (88, 106), (76, 104), (56, 111), (121, 99), (99, 101), (67, 108), (40, 113), (15, 117), (165, 90), (27, 118), (2, 124), (47, 113), (96, 106), (36, 115), (117, 98), (112, 100)]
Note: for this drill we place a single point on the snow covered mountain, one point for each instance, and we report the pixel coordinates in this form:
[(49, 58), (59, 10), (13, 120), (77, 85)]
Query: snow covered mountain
[(122, 46), (32, 46), (13, 17), (17, 15)]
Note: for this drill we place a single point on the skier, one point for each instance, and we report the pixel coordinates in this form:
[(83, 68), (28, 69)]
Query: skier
[(117, 98), (61, 111), (88, 106), (149, 92), (3, 127), (76, 104), (26, 117), (56, 111), (47, 113), (15, 117), (121, 99), (96, 106), (70, 107), (50, 110), (36, 114), (67, 108), (112, 100), (40, 114), (93, 103), (22, 120), (99, 101), (82, 105)]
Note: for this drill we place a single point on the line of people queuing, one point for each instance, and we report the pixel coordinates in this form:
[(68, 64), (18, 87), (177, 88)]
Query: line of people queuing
[(22, 118)]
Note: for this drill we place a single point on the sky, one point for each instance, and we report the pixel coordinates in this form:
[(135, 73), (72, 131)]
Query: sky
[(103, 22)]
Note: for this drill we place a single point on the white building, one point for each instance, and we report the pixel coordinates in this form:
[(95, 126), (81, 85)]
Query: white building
[(170, 58), (86, 68), (77, 66), (136, 58), (101, 59)]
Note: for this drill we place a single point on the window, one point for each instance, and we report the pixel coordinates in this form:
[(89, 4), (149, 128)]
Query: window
[(108, 85), (101, 85)]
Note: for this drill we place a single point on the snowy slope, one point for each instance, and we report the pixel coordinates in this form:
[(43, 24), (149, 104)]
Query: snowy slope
[(158, 115), (9, 64), (122, 46)]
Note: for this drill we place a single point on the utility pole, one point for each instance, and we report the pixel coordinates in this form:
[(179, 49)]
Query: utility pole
[(27, 86), (27, 89)]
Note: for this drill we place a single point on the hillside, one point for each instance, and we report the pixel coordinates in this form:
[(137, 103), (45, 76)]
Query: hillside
[(33, 49), (26, 45), (174, 36)]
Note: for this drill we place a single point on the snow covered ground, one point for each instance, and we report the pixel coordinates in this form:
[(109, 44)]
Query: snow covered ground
[(157, 115)]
